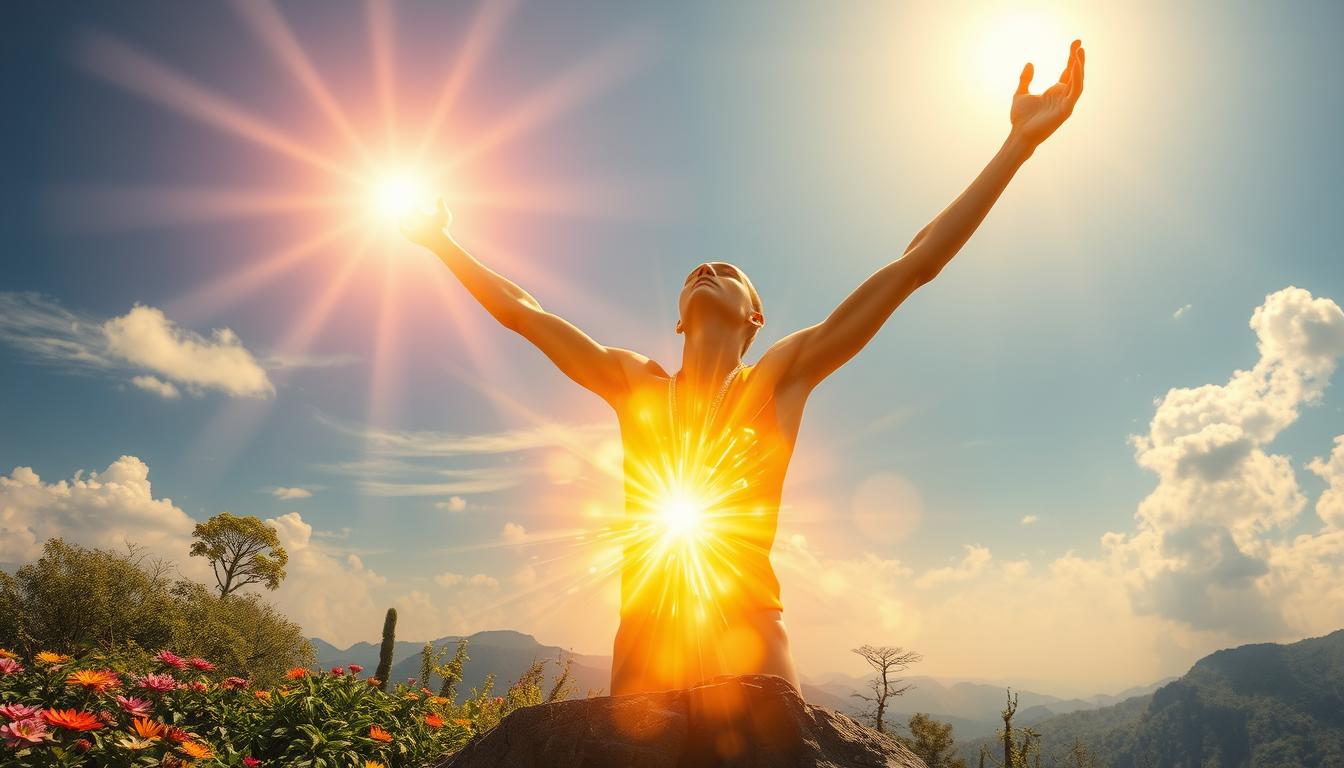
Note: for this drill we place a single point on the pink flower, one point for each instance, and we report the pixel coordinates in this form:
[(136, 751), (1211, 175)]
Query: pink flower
[(171, 659), (201, 664), (18, 711), (251, 762), (10, 667), (197, 685), (337, 671), (234, 683), (134, 705), (27, 731), (158, 683), (355, 669)]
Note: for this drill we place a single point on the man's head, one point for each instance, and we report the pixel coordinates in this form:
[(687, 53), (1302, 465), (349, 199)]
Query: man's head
[(717, 289)]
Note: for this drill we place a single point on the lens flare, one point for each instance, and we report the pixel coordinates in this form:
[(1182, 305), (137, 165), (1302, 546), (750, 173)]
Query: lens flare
[(681, 515)]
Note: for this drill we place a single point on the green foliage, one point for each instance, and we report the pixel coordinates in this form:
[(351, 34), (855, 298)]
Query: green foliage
[(74, 600), (237, 550), (932, 741), (452, 671), (389, 645), (318, 720)]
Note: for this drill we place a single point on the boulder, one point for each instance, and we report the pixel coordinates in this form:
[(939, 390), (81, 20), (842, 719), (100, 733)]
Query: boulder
[(751, 721)]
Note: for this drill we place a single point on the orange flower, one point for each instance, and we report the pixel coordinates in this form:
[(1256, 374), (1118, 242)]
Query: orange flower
[(373, 764), (8, 654), (97, 680), (462, 721), (148, 729), (263, 695), (296, 673), (413, 696), (374, 681), (378, 734), (178, 735), (433, 720), (75, 720), (195, 749), (47, 657)]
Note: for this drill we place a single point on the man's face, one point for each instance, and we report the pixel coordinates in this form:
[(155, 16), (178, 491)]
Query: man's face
[(720, 284)]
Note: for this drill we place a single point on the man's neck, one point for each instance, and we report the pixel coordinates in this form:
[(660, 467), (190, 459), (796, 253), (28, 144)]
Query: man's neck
[(707, 358)]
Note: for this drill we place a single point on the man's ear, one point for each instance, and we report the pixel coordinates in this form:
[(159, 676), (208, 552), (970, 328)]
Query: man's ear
[(678, 326), (756, 319)]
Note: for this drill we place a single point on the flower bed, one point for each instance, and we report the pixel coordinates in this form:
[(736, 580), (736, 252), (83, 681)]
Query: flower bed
[(169, 711)]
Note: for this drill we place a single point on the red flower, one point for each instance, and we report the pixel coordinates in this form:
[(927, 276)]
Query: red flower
[(234, 683), (296, 673), (71, 719), (337, 671), (251, 762), (171, 659), (83, 745), (433, 720), (201, 664), (355, 669)]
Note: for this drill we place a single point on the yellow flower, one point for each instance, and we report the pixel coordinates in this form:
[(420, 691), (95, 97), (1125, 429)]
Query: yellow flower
[(47, 657), (97, 680), (195, 749), (373, 764), (413, 696), (134, 743)]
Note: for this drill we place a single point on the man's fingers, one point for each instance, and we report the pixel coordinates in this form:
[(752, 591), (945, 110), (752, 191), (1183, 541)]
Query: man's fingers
[(1076, 84), (1024, 80), (1067, 74)]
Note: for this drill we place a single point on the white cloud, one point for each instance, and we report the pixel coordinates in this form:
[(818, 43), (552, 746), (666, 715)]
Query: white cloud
[(103, 510), (328, 594), (289, 494), (1330, 506), (513, 533), (158, 386), (453, 504), (1029, 519), (972, 565), (145, 337), (449, 579), (162, 356), (481, 580), (1179, 313)]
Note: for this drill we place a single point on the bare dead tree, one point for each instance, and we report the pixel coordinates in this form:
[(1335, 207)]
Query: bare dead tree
[(887, 661)]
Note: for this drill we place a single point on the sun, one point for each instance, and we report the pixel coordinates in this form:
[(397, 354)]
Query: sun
[(397, 192)]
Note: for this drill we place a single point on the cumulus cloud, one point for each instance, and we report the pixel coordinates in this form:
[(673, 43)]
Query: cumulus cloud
[(513, 533), (482, 580), (972, 565), (1029, 519), (288, 494), (1180, 312), (449, 579), (103, 509), (162, 356), (331, 596), (453, 504), (1330, 505), (145, 337), (1206, 537)]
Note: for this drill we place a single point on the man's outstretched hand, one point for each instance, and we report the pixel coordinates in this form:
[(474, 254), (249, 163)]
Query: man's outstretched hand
[(428, 228), (1036, 117)]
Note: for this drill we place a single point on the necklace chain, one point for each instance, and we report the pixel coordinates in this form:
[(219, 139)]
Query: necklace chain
[(713, 406)]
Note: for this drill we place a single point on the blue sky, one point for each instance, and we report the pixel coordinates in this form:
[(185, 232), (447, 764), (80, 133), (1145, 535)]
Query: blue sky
[(1198, 176)]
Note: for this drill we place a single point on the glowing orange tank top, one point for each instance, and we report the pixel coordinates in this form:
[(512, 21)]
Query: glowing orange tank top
[(702, 506)]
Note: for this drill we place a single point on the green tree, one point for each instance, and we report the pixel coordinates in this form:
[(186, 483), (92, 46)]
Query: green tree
[(237, 550), (72, 598), (932, 741), (886, 661), (452, 671), (388, 647)]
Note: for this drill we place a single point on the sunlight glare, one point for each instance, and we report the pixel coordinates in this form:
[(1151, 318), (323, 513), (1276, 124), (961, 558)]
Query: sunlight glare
[(1011, 36), (395, 194), (681, 515)]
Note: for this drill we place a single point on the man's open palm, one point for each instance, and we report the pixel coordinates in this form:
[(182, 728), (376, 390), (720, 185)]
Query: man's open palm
[(427, 227), (1035, 117)]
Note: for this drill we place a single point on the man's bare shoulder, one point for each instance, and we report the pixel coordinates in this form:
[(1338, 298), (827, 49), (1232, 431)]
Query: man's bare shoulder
[(639, 369)]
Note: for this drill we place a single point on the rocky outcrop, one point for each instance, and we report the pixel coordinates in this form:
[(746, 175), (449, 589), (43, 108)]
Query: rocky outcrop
[(752, 721)]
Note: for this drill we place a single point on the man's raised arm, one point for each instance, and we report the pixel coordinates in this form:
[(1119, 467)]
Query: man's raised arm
[(588, 363), (814, 353)]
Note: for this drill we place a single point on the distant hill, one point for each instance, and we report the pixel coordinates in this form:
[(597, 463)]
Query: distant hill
[(1256, 705), (971, 708), (506, 653)]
